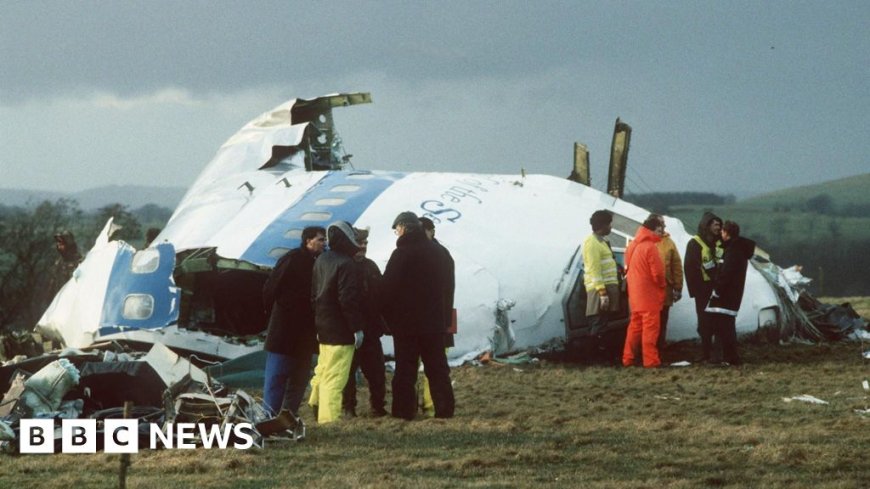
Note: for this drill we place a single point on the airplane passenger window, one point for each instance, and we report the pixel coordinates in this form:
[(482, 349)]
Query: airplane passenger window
[(345, 188), (138, 306), (145, 261), (617, 240), (315, 216), (330, 202), (625, 225), (278, 252), (293, 234), (361, 176)]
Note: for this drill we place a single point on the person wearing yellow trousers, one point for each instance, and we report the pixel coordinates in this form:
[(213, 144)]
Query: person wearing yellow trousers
[(336, 294), (427, 405), (646, 295)]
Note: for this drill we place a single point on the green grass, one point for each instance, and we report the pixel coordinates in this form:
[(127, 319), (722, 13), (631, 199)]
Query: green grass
[(845, 191), (860, 304), (551, 424), (778, 227), (782, 217)]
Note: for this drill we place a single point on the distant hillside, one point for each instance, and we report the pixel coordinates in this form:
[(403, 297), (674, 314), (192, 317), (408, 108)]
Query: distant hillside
[(132, 196), (824, 227), (846, 196)]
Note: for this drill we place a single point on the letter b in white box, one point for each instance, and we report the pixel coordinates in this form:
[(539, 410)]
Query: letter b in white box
[(121, 436), (37, 436), (78, 435)]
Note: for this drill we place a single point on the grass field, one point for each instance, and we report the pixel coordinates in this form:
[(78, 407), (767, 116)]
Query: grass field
[(770, 227), (551, 424), (860, 304), (844, 191)]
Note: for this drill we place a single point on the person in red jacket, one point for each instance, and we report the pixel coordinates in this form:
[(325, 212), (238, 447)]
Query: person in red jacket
[(646, 296)]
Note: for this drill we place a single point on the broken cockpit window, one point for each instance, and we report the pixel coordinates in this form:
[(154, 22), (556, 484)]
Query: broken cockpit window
[(221, 296), (321, 144)]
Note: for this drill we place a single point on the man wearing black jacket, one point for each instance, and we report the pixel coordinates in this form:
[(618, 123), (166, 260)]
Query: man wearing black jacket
[(291, 339), (425, 394), (702, 258), (416, 312), (336, 293), (728, 289), (370, 356)]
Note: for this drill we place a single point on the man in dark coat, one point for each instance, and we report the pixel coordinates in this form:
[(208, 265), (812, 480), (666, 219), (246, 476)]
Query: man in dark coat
[(370, 356), (415, 310), (728, 289), (426, 403), (450, 282), (336, 293), (291, 339), (702, 258)]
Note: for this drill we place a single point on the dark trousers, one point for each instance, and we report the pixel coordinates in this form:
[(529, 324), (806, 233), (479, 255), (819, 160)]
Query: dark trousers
[(725, 328), (370, 359), (710, 347), (663, 328), (409, 350), (604, 344)]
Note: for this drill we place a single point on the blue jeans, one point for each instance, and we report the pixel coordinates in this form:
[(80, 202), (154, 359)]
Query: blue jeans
[(286, 380)]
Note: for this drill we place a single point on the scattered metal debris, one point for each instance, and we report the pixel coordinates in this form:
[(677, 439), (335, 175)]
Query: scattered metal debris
[(805, 398), (163, 388)]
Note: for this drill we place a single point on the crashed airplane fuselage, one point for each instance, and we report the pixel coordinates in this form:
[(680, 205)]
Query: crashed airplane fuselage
[(515, 240)]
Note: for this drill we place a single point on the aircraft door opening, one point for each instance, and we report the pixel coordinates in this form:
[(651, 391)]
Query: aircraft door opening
[(581, 342)]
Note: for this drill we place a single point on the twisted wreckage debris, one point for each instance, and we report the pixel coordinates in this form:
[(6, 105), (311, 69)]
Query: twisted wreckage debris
[(164, 388), (802, 316)]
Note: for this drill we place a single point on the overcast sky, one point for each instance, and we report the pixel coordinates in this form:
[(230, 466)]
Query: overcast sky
[(727, 96)]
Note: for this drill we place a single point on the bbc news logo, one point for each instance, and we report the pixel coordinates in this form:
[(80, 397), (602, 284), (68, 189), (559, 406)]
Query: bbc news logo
[(122, 436)]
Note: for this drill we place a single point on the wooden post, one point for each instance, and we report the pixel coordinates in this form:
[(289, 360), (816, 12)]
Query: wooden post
[(618, 158), (580, 173), (125, 457)]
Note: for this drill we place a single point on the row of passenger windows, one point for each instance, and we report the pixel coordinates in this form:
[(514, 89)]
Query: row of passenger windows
[(319, 216)]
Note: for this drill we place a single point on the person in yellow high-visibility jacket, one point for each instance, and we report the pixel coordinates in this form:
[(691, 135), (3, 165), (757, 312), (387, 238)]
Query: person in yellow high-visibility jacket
[(599, 272), (702, 259)]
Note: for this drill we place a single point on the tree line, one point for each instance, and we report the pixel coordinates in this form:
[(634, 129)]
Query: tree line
[(28, 258), (662, 202)]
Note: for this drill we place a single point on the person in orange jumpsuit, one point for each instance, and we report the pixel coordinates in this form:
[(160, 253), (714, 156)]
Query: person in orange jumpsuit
[(646, 296)]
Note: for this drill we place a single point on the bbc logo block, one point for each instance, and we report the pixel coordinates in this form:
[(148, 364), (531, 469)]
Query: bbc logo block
[(122, 436), (79, 436)]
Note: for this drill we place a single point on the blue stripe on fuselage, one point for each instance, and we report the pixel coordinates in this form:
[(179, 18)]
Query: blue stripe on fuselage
[(371, 185)]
